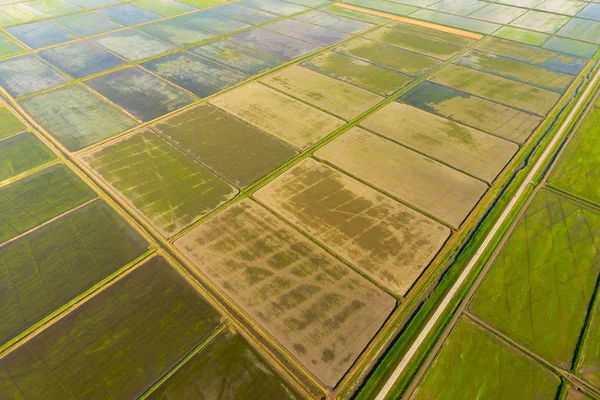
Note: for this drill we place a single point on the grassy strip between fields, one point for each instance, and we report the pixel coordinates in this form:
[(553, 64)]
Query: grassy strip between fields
[(413, 327)]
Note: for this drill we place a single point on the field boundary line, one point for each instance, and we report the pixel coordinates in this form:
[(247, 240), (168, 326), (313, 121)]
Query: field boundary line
[(411, 21), (488, 239)]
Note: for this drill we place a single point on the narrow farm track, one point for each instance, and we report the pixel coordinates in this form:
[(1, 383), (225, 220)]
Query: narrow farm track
[(510, 208)]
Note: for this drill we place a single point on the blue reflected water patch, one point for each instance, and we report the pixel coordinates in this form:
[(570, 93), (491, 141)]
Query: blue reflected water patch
[(87, 24), (41, 34), (176, 32), (214, 23), (276, 44), (81, 59), (127, 14), (236, 56)]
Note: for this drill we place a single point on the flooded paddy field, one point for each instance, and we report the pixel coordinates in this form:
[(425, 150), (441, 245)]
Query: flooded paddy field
[(246, 199)]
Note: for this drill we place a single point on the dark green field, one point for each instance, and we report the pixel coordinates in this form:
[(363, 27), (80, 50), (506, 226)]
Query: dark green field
[(21, 153)]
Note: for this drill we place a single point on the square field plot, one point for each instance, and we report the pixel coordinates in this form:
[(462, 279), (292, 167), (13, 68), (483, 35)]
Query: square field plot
[(463, 148), (495, 88), (273, 43), (166, 8), (306, 31), (201, 77), (140, 93), (473, 363), (76, 117), (22, 152), (132, 45), (41, 34), (384, 239), (516, 70), (9, 123), (81, 59), (474, 111), (128, 14), (116, 344), (322, 311), (432, 47), (166, 186), (28, 74), (396, 58), (431, 186), (279, 115), (232, 148), (322, 91), (61, 260), (87, 24), (249, 15), (176, 32), (214, 23), (549, 263), (38, 198), (366, 75), (228, 364), (578, 168), (236, 56), (332, 21)]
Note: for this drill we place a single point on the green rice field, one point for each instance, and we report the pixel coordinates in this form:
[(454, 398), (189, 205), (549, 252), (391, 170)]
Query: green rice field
[(266, 199)]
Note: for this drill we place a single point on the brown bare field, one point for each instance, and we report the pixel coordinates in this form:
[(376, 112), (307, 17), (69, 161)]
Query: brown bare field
[(383, 238), (464, 148), (280, 115), (319, 309), (427, 184), (327, 93)]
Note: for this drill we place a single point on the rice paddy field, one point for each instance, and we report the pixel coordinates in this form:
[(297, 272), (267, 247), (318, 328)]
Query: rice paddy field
[(212, 199)]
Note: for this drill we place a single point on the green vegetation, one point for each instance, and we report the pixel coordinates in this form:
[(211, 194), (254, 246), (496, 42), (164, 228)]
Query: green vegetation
[(475, 365), (38, 198), (228, 367), (162, 183), (238, 151), (578, 168), (9, 123), (116, 344), (48, 267), (21, 153), (540, 286)]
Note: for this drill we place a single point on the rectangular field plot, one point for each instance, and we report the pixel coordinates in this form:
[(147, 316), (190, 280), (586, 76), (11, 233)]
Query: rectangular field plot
[(76, 117), (322, 91), (522, 35), (38, 198), (41, 34), (48, 267), (232, 148), (578, 168), (541, 21), (401, 60), (132, 45), (385, 239), (81, 59), (534, 55), (540, 285), (278, 114), (588, 364), (214, 23), (87, 24), (28, 74), (482, 114), (9, 123), (356, 15), (429, 185), (466, 149), (474, 364), (276, 44), (236, 56), (332, 21), (128, 14), (571, 46), (308, 32), (431, 33), (176, 32), (21, 153), (582, 29), (142, 94), (379, 80), (322, 311), (194, 74), (249, 15), (116, 344), (9, 48), (495, 88), (170, 189), (433, 47), (516, 70), (274, 6), (167, 8), (228, 367)]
